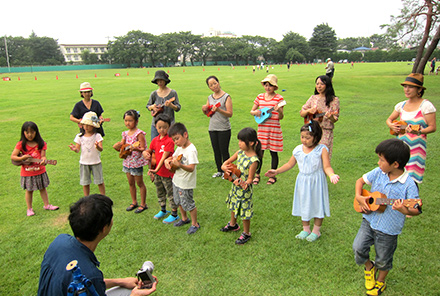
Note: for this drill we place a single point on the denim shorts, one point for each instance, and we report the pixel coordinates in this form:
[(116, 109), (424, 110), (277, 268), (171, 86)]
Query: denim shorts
[(133, 171), (384, 244)]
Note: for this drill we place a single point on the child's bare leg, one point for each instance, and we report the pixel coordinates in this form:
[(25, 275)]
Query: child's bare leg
[(44, 196), (28, 196), (233, 219), (382, 275), (368, 265), (183, 214), (317, 226), (132, 184), (193, 214), (142, 188), (101, 188), (86, 190), (306, 226), (246, 226)]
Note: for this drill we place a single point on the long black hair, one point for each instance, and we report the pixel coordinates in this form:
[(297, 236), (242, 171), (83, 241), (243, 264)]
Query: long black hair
[(329, 91), (33, 126), (247, 135)]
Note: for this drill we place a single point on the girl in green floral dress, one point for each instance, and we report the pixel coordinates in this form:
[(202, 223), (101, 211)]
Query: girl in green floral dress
[(239, 200)]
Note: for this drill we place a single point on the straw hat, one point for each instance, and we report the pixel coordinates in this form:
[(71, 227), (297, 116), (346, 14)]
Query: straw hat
[(272, 79), (90, 118), (85, 86), (160, 74), (414, 79)]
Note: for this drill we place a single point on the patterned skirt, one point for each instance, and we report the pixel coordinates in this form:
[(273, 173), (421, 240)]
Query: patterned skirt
[(34, 183)]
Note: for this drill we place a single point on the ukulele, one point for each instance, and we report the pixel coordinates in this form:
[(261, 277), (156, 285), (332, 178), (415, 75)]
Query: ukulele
[(159, 108), (126, 149), (266, 112), (30, 161), (233, 175), (210, 112), (378, 202), (316, 116), (173, 167), (402, 125), (103, 120)]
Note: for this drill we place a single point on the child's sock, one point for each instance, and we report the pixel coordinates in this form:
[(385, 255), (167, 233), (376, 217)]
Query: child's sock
[(316, 230), (164, 209), (174, 213), (306, 228)]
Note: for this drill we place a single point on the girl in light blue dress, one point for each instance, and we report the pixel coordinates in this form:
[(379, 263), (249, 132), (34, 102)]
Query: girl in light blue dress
[(311, 198)]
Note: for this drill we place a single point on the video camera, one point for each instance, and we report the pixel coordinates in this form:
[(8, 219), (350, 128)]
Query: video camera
[(145, 275)]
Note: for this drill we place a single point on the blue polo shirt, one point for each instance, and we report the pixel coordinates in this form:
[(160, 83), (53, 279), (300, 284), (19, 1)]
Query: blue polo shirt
[(55, 279), (390, 221)]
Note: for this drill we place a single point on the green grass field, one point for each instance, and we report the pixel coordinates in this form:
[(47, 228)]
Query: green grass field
[(209, 263)]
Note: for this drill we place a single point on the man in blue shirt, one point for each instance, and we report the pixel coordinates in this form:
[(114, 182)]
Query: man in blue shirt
[(91, 219)]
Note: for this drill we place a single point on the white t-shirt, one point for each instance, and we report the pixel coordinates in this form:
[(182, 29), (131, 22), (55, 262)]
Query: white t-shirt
[(89, 154), (184, 179)]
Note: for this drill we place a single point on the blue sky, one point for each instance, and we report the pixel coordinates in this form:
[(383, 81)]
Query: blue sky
[(98, 21)]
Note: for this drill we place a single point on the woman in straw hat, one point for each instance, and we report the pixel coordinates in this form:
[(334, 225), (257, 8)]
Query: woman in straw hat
[(87, 105), (419, 115), (269, 132)]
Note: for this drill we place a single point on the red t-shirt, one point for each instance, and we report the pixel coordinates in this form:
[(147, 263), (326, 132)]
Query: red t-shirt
[(159, 146), (34, 169)]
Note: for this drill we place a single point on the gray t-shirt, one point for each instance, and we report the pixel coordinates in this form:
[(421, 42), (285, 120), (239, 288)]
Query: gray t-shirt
[(156, 99), (218, 121)]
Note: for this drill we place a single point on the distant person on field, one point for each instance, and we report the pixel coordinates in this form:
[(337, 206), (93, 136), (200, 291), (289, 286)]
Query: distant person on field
[(86, 105), (432, 65), (91, 219), (90, 144), (330, 68), (164, 99), (381, 229), (185, 177)]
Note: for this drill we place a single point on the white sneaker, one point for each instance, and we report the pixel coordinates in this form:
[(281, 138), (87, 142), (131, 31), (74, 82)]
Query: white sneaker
[(217, 175)]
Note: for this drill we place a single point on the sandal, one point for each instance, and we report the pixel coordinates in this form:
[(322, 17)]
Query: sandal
[(131, 207), (271, 181), (312, 237), (302, 235), (256, 180), (140, 209)]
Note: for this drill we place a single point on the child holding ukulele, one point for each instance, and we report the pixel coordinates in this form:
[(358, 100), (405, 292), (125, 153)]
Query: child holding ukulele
[(133, 165), (161, 148), (311, 199), (90, 144), (239, 200), (32, 147), (381, 229)]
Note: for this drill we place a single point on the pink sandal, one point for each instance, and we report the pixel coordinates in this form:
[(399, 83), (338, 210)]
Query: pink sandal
[(51, 208)]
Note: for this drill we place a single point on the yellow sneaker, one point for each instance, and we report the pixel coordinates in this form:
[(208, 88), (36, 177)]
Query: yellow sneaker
[(370, 278), (378, 289)]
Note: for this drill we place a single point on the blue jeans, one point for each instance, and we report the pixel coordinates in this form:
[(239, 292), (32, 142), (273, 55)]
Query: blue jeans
[(384, 244)]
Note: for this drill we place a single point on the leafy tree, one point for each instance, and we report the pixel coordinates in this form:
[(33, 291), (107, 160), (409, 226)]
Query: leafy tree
[(89, 58), (296, 46), (45, 50), (418, 24), (323, 42)]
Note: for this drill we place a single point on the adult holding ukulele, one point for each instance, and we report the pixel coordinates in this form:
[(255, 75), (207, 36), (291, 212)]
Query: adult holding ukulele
[(219, 109), (87, 105), (323, 106), (163, 100), (417, 119)]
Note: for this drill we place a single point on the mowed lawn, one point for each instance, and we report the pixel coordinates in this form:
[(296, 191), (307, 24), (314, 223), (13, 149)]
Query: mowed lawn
[(273, 262)]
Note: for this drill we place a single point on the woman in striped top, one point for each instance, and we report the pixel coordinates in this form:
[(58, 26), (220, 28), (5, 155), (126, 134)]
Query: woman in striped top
[(414, 111), (269, 132)]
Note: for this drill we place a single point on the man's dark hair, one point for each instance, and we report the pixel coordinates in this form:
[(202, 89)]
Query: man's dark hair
[(394, 150), (89, 215), (177, 128)]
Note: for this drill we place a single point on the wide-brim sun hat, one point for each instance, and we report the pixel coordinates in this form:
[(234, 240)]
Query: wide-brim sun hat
[(414, 79), (85, 86), (90, 118), (160, 74), (272, 79)]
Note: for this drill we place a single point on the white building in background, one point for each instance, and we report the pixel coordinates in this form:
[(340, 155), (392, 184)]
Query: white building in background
[(212, 33), (72, 52)]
